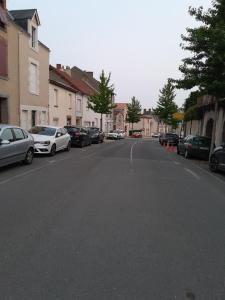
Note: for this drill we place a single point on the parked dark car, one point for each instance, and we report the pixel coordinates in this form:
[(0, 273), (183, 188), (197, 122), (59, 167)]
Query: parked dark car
[(96, 135), (171, 139), (194, 146), (217, 159), (15, 145), (79, 136)]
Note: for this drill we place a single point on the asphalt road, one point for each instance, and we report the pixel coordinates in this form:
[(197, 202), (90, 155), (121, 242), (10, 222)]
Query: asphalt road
[(126, 220)]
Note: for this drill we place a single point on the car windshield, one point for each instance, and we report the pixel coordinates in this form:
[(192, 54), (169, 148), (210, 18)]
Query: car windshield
[(41, 130), (72, 129)]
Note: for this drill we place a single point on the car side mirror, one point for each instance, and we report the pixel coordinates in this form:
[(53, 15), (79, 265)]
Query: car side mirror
[(58, 134), (4, 142)]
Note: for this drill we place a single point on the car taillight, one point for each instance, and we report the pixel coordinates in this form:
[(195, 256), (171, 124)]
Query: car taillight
[(189, 146), (75, 134)]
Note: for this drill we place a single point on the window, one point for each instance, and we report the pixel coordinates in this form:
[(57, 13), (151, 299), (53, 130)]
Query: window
[(55, 95), (18, 134), (43, 118), (79, 105), (68, 120), (33, 37), (24, 119), (3, 58), (33, 118), (70, 101), (33, 79), (7, 135), (55, 121)]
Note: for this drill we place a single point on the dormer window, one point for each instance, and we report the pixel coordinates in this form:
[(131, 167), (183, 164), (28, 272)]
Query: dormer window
[(34, 37)]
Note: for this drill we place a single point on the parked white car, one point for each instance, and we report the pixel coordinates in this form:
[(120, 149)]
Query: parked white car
[(113, 135), (50, 139), (121, 134)]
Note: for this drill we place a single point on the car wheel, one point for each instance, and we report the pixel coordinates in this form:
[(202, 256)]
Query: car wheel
[(53, 150), (68, 147), (213, 164), (186, 154), (82, 144), (29, 157)]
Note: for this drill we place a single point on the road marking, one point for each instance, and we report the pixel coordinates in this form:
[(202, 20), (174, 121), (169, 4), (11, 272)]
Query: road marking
[(22, 174), (131, 153), (49, 162), (192, 173), (176, 163)]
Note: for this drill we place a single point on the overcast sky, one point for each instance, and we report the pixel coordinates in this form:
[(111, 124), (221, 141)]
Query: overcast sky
[(136, 40)]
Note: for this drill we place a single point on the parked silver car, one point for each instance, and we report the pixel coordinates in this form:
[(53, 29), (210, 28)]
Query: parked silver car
[(15, 145)]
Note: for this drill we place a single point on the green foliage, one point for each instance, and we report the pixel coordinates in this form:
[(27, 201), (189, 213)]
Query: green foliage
[(166, 106), (101, 102), (205, 68), (191, 100), (133, 111)]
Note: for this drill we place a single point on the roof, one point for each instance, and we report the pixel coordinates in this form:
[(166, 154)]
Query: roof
[(121, 105), (77, 73), (21, 16), (58, 80), (23, 13), (75, 83)]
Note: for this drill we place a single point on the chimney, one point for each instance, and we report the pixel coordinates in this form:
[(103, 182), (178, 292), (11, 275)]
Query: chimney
[(68, 70), (58, 66), (90, 74)]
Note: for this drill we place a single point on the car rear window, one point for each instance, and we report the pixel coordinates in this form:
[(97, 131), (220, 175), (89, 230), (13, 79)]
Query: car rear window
[(72, 129)]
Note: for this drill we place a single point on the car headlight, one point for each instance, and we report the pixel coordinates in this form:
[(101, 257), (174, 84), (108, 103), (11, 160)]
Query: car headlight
[(46, 143)]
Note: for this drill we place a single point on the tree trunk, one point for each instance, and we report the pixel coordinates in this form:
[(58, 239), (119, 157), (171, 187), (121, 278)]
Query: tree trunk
[(101, 123), (214, 126)]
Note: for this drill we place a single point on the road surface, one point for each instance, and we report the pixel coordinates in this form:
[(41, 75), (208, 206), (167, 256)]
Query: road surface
[(125, 220)]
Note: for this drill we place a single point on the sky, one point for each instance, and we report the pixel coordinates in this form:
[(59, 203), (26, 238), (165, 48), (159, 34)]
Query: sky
[(137, 41)]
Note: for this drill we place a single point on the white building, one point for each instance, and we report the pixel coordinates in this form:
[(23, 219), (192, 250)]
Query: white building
[(83, 116), (62, 100)]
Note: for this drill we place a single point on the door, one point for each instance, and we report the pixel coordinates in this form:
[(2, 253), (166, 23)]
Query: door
[(21, 143), (8, 153), (61, 139), (195, 149), (203, 147)]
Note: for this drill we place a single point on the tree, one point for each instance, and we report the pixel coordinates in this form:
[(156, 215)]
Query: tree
[(102, 101), (133, 111), (166, 106), (205, 69)]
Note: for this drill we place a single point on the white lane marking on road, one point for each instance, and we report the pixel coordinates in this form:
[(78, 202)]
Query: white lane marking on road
[(176, 162), (22, 174), (131, 153), (40, 168), (192, 173), (208, 173)]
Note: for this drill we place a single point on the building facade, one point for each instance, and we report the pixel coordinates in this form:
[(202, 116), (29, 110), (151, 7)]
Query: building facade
[(62, 100), (9, 68), (202, 122), (33, 69)]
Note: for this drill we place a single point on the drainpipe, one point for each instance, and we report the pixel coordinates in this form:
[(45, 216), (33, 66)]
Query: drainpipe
[(19, 87)]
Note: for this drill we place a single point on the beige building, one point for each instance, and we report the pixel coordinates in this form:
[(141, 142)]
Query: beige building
[(31, 70), (149, 124), (9, 68)]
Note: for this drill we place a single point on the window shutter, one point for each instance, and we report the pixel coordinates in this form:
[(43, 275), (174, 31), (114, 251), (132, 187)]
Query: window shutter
[(3, 58)]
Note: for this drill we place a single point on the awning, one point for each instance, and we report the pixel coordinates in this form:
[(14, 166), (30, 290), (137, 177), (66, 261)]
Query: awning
[(3, 17)]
